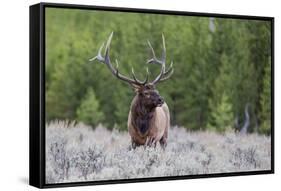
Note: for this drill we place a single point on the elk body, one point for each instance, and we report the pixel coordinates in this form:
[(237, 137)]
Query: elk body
[(149, 118)]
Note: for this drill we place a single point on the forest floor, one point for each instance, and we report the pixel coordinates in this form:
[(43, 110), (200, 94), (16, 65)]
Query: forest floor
[(79, 153)]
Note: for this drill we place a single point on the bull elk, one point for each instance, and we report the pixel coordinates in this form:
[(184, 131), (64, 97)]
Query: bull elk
[(149, 118)]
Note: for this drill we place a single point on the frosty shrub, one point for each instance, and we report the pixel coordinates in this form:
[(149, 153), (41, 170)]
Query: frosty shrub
[(79, 153)]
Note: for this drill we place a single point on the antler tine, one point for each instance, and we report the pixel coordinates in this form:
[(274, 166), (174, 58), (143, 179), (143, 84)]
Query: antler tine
[(162, 61), (138, 81), (106, 60), (154, 59), (159, 76), (167, 76), (99, 56), (164, 50), (169, 69), (168, 73), (117, 68)]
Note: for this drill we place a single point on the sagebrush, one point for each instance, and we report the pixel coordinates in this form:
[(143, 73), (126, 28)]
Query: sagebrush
[(80, 153)]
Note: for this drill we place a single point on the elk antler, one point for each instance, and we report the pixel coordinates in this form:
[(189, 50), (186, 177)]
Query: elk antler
[(164, 74), (115, 72)]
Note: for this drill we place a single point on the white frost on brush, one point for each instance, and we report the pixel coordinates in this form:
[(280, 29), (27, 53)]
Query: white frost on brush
[(79, 153)]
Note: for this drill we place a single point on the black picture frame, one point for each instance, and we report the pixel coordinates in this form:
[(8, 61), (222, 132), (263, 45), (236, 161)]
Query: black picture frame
[(37, 94)]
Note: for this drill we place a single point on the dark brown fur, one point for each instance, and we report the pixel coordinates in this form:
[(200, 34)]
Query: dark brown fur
[(149, 118)]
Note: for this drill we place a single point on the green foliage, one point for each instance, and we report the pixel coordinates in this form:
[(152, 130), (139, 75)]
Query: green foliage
[(265, 101), (219, 67), (222, 115), (89, 110), (220, 105)]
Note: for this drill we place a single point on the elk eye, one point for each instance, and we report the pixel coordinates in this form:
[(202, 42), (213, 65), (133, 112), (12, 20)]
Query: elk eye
[(146, 94)]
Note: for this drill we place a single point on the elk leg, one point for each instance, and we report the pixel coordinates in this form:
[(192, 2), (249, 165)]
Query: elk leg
[(150, 141), (163, 140), (134, 144), (147, 141)]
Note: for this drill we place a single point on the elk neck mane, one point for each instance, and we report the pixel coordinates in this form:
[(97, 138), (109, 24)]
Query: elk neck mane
[(141, 115)]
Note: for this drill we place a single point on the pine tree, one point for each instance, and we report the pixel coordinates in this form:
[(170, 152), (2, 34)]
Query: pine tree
[(89, 110), (220, 105), (265, 101), (222, 115)]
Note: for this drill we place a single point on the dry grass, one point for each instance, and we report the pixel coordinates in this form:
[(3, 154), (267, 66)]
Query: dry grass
[(78, 153)]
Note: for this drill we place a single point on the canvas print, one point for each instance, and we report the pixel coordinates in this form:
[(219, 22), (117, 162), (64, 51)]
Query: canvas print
[(141, 95)]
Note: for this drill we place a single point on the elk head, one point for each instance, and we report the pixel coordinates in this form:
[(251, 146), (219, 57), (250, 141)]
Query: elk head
[(146, 90)]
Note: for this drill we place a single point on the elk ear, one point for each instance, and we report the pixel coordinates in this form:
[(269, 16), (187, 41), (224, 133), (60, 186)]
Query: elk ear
[(136, 88)]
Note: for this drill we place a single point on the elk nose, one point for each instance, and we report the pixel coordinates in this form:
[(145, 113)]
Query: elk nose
[(161, 100)]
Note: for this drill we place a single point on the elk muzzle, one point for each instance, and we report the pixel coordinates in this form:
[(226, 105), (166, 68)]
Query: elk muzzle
[(160, 101)]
